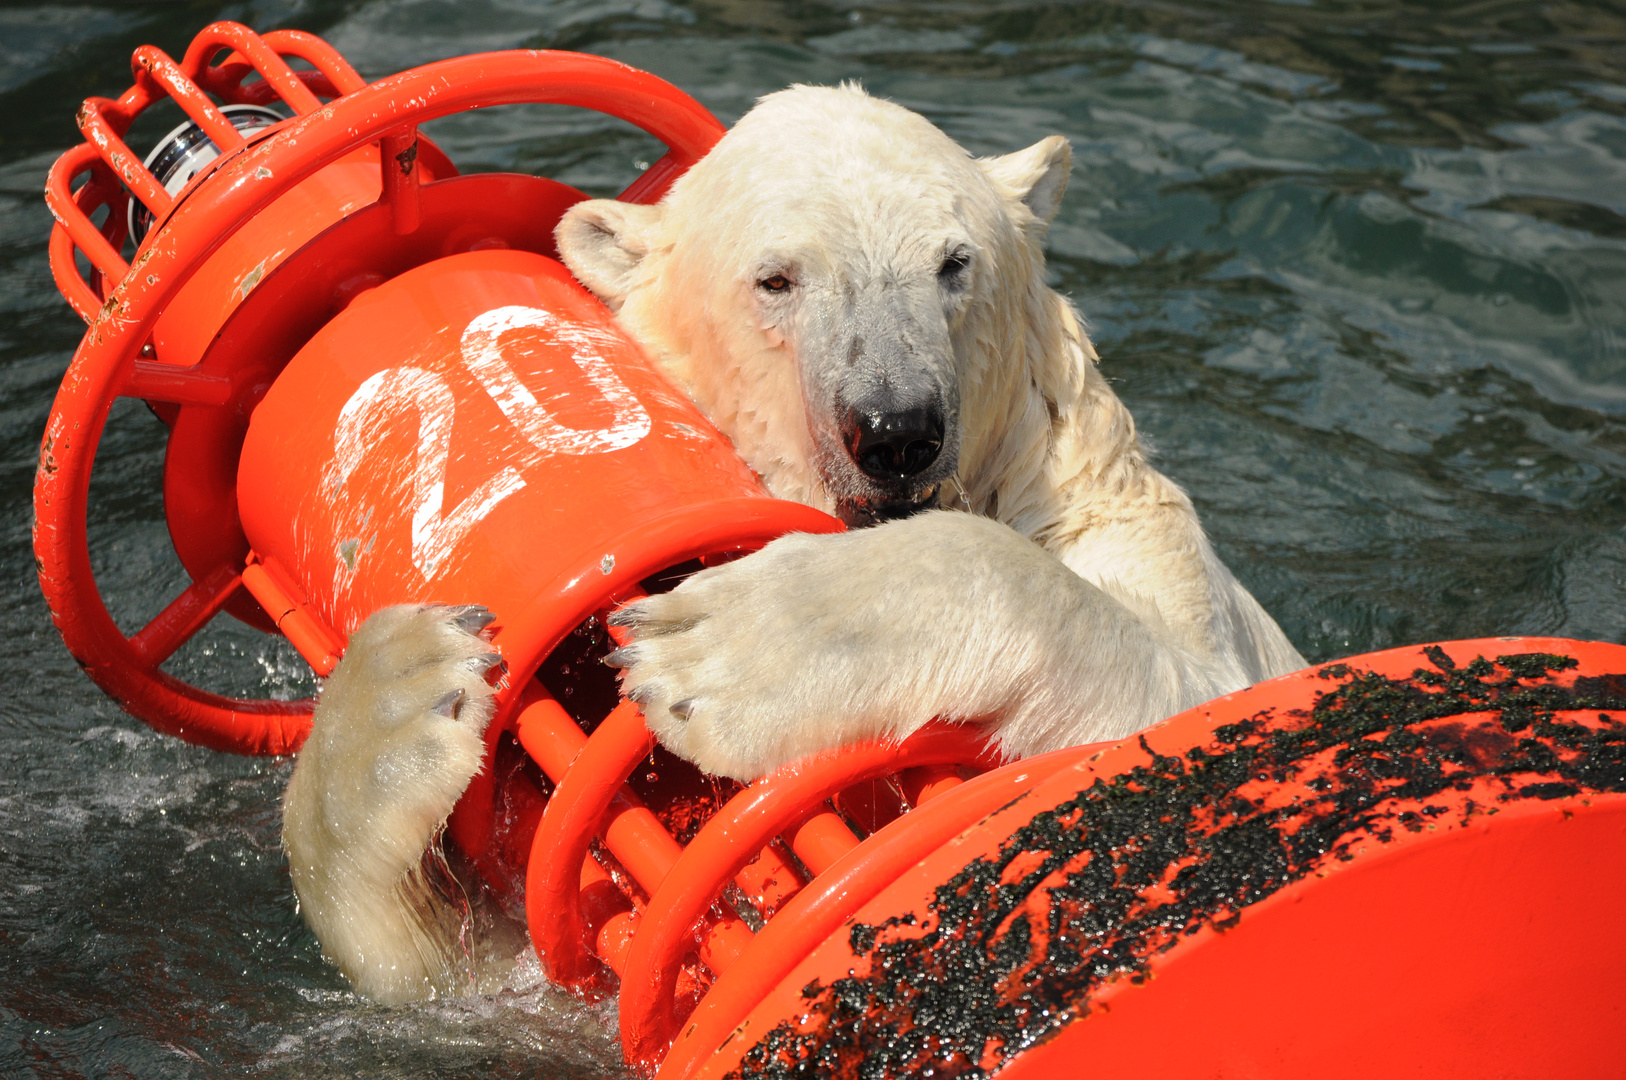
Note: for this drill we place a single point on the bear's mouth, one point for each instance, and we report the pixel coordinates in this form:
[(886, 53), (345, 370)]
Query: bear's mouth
[(859, 513)]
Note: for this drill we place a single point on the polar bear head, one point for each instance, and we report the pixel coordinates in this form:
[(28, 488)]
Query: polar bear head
[(847, 294)]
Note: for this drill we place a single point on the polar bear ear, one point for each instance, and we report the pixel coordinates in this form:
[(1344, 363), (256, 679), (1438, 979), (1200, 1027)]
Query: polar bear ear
[(603, 241), (1037, 176)]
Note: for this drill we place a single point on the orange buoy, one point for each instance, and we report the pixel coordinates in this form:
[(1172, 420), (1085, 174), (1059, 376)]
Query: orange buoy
[(381, 387), (1410, 863)]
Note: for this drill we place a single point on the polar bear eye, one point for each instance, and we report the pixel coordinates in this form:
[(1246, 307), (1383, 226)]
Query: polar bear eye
[(776, 283)]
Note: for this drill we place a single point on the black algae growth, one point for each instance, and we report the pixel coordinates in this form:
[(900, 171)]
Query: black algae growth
[(1088, 891)]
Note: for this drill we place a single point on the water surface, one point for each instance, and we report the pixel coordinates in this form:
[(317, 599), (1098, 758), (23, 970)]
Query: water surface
[(1358, 268)]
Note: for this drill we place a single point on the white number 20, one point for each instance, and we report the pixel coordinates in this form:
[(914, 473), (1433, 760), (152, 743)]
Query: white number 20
[(378, 404)]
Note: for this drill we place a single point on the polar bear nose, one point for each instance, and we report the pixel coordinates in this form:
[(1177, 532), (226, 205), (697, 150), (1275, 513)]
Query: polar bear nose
[(894, 445)]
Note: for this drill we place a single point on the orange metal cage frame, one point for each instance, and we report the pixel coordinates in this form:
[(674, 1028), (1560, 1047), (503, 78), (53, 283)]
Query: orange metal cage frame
[(117, 173)]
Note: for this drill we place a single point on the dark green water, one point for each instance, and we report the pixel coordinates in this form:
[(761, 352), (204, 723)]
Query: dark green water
[(1358, 268)]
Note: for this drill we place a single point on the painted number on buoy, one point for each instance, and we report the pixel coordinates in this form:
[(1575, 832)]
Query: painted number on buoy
[(378, 402), (483, 356)]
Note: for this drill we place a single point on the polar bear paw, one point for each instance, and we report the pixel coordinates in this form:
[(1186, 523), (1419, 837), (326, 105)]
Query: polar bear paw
[(811, 643), (396, 737)]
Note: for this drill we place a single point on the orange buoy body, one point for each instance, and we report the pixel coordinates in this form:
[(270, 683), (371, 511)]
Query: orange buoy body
[(381, 387), (1409, 864)]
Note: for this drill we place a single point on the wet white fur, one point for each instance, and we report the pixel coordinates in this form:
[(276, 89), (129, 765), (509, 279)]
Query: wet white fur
[(1077, 600), (1067, 596)]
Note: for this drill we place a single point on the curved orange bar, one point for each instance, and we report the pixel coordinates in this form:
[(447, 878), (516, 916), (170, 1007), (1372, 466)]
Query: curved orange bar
[(260, 55), (571, 820), (727, 842), (151, 63), (318, 53), (72, 212), (819, 911), (101, 133)]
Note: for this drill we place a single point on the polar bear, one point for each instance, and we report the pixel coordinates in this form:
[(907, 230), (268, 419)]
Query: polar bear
[(861, 307)]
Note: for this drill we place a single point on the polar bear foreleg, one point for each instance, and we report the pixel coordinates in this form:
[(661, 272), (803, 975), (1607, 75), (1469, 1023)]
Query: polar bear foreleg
[(818, 641), (396, 737)]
